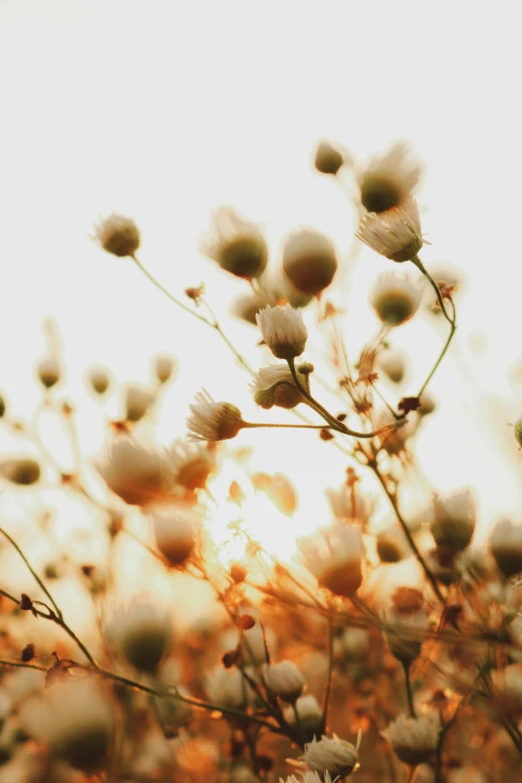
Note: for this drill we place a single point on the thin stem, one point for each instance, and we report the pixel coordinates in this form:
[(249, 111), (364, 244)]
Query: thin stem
[(405, 529), (440, 358), (23, 665), (420, 266), (217, 326), (328, 689), (256, 425), (409, 692)]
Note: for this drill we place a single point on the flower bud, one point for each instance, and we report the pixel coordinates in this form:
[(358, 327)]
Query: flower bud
[(395, 234), (283, 331), (395, 297), (406, 618), (391, 545), (99, 379), (48, 371), (309, 711), (118, 235), (2, 406), (20, 470), (174, 531), (138, 400), (392, 363), (328, 160), (427, 403), (335, 558), (309, 261), (414, 740), (213, 421), (143, 633), (284, 679), (506, 547), (354, 644), (228, 688), (518, 431), (274, 385), (455, 517), (389, 179), (136, 474), (164, 367), (330, 754), (237, 245)]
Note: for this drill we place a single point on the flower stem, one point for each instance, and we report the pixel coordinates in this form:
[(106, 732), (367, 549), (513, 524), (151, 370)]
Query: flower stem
[(409, 692), (328, 689)]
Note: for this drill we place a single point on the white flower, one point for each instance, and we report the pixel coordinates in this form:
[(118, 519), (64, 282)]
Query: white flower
[(309, 261), (455, 517), (138, 400), (334, 557), (309, 711), (506, 547), (396, 297), (274, 385), (406, 622), (213, 421), (174, 528), (137, 474), (350, 502), (283, 330), (330, 754), (354, 644), (414, 740), (164, 366), (228, 688), (76, 719), (48, 371), (391, 361), (118, 235), (192, 463), (328, 160), (388, 179), (143, 632), (395, 234), (237, 245), (284, 679), (20, 470), (99, 378)]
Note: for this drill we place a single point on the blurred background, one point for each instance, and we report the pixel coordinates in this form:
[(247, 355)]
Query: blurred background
[(163, 111)]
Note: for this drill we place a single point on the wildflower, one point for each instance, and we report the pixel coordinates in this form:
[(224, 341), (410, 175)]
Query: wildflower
[(274, 385), (389, 179), (392, 545), (406, 621), (391, 362), (455, 517), (506, 547), (247, 305), (354, 644), (350, 502), (309, 261), (395, 440), (213, 421), (76, 719), (20, 470), (143, 633), (174, 530), (395, 234), (395, 297), (138, 400), (164, 366), (49, 371), (508, 685), (99, 379), (518, 431), (228, 688), (237, 245), (283, 330), (328, 160), (309, 711), (334, 557), (414, 740), (135, 473), (192, 463), (284, 679), (330, 754), (118, 235)]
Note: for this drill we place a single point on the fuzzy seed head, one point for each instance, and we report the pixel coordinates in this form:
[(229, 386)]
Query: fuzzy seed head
[(118, 235)]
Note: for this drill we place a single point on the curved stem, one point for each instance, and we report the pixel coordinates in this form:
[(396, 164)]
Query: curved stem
[(441, 356), (420, 266), (256, 425)]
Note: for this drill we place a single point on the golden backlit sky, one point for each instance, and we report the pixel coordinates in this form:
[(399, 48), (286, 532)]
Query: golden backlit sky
[(163, 110)]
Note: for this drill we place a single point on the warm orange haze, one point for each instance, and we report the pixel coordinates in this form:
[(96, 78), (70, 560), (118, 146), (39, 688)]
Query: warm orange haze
[(260, 392)]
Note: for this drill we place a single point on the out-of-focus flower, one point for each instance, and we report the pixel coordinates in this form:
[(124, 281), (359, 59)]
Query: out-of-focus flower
[(247, 305), (330, 754), (143, 633), (241, 773), (428, 403), (237, 245), (309, 711), (392, 545), (310, 777), (274, 385), (391, 361), (508, 685), (334, 556), (213, 421), (354, 644), (395, 234), (396, 297), (76, 720), (135, 473), (350, 502), (328, 160), (455, 518), (506, 547), (283, 330), (192, 463), (20, 470), (389, 179), (414, 740), (517, 429), (309, 261), (99, 379), (118, 235), (394, 441), (174, 528), (49, 371), (279, 490), (164, 366), (138, 400), (284, 679), (2, 406), (406, 622), (228, 688)]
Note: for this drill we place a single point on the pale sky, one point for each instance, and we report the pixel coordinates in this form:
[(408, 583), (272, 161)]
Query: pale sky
[(164, 110)]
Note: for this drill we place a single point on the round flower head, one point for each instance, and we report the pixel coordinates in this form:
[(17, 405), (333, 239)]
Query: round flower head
[(237, 245), (213, 421), (330, 754), (228, 688), (135, 473), (395, 234), (143, 633), (99, 379), (391, 361), (328, 160), (284, 679), (192, 463), (414, 740), (389, 179), (334, 557), (518, 431), (455, 517), (395, 297), (309, 711), (274, 385), (48, 371), (118, 235), (309, 261), (283, 330), (138, 400), (20, 470), (506, 547), (405, 618), (164, 366), (174, 528)]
